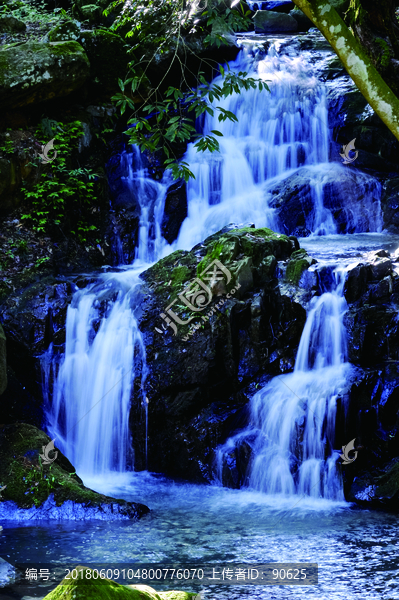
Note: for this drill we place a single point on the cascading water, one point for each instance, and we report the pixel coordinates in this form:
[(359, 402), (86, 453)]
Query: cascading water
[(88, 394), (277, 133), (150, 196), (293, 417)]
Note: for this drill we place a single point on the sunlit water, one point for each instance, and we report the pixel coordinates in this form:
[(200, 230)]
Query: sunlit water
[(357, 551)]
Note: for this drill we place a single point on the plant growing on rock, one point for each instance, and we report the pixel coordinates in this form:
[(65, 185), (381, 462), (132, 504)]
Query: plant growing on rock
[(63, 196)]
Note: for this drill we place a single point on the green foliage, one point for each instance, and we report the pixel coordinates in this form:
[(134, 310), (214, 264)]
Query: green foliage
[(63, 196), (41, 482), (36, 11), (167, 127), (7, 147), (156, 28)]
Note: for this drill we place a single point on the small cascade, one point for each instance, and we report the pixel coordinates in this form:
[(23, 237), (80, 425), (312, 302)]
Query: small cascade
[(292, 419), (150, 196), (276, 133), (92, 386)]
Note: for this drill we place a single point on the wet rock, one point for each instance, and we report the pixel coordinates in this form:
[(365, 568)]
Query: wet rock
[(390, 204), (3, 361), (175, 210), (267, 21), (10, 24), (381, 290), (198, 374), (35, 72), (32, 319), (70, 30), (31, 491), (380, 267), (372, 333), (303, 22), (356, 282), (297, 264)]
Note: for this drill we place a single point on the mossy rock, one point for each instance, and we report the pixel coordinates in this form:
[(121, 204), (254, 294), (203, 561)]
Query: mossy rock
[(108, 58), (3, 361), (91, 13), (249, 254), (87, 588), (70, 30), (36, 72), (10, 24), (28, 481), (298, 263)]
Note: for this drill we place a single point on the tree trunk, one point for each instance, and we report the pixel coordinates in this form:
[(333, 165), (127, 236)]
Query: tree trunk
[(355, 60)]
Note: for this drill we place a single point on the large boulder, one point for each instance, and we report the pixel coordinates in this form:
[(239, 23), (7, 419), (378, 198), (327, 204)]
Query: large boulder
[(304, 23), (267, 21), (38, 490), (201, 374), (35, 72), (65, 32), (10, 24), (349, 197)]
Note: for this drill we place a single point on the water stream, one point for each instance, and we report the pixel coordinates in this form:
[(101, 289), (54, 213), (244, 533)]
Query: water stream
[(292, 419), (295, 509)]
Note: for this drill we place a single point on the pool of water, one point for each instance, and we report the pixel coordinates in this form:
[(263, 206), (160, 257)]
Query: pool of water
[(357, 551), (348, 248)]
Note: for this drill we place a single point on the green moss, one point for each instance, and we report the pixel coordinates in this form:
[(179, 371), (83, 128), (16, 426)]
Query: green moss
[(65, 31), (386, 53), (298, 263), (87, 588), (28, 482)]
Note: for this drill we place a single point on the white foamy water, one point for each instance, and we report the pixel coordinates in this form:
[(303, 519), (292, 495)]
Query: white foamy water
[(89, 388), (293, 417)]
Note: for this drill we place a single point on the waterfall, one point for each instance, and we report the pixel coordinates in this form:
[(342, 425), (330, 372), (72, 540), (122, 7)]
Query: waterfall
[(292, 419), (277, 134), (150, 197), (88, 389), (92, 386)]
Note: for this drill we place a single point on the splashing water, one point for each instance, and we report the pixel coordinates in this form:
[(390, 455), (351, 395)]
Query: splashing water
[(293, 416), (277, 133)]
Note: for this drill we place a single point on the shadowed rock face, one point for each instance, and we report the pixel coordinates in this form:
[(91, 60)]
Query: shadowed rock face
[(268, 21), (198, 389), (35, 72), (37, 490)]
